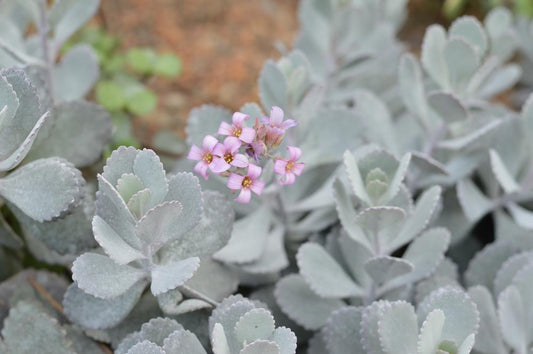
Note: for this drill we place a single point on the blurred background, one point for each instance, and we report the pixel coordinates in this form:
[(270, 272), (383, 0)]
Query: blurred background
[(212, 51)]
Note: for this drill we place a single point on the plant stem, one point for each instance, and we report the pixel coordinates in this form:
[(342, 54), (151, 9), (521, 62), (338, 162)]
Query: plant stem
[(200, 296), (44, 29)]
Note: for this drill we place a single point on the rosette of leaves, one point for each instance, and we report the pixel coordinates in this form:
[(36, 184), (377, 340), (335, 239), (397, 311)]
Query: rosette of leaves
[(356, 265), (161, 335), (242, 326), (152, 229), (468, 59), (505, 180), (351, 44), (41, 190), (446, 322), (499, 279)]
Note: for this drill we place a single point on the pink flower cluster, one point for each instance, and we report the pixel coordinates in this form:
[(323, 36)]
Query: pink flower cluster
[(231, 157)]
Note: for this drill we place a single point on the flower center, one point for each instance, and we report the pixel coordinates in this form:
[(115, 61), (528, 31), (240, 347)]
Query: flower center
[(207, 157), (289, 166), (228, 157), (237, 132), (246, 182)]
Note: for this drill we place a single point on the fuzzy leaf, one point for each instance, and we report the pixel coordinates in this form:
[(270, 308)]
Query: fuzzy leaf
[(462, 316), (448, 107), (255, 324), (100, 276), (272, 86), (469, 28), (70, 234), (285, 339), (430, 333), (71, 83), (169, 276), (484, 266), (342, 331), (385, 268), (412, 87), (43, 189), (28, 330), (218, 340), (183, 342), (462, 61), (502, 174), (248, 238), (513, 319), (432, 58), (296, 298), (354, 175), (425, 253), (261, 347), (146, 347), (509, 269), (114, 246), (398, 329), (323, 274), (159, 226), (94, 313), (346, 213), (488, 338), (112, 209), (369, 327), (377, 120), (73, 16), (419, 218), (78, 131), (472, 200), (274, 257), (203, 121), (381, 225)]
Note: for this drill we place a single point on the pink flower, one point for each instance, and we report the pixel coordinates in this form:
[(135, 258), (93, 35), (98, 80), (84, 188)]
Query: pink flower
[(276, 120), (255, 150), (206, 157), (236, 129), (247, 184), (227, 152), (289, 169)]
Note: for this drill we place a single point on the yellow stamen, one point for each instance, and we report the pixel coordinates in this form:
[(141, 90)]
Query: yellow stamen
[(228, 157), (237, 132), (246, 182), (289, 166), (207, 157)]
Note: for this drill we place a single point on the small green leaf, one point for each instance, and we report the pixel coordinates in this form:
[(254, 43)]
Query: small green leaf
[(168, 65), (141, 60), (142, 102), (110, 95)]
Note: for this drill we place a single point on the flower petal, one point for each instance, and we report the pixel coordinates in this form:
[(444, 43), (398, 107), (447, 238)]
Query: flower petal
[(247, 135), (219, 150), (298, 168), (279, 166), (232, 144), (235, 181), (244, 196), (225, 129), (254, 171), (289, 123), (239, 160), (294, 153), (238, 118), (219, 165), (276, 115), (201, 169), (195, 153), (289, 178), (257, 187), (209, 143)]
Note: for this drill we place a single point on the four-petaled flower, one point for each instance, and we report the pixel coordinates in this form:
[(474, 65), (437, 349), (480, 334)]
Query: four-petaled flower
[(247, 184), (289, 168), (237, 129), (206, 157), (276, 120), (227, 153)]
